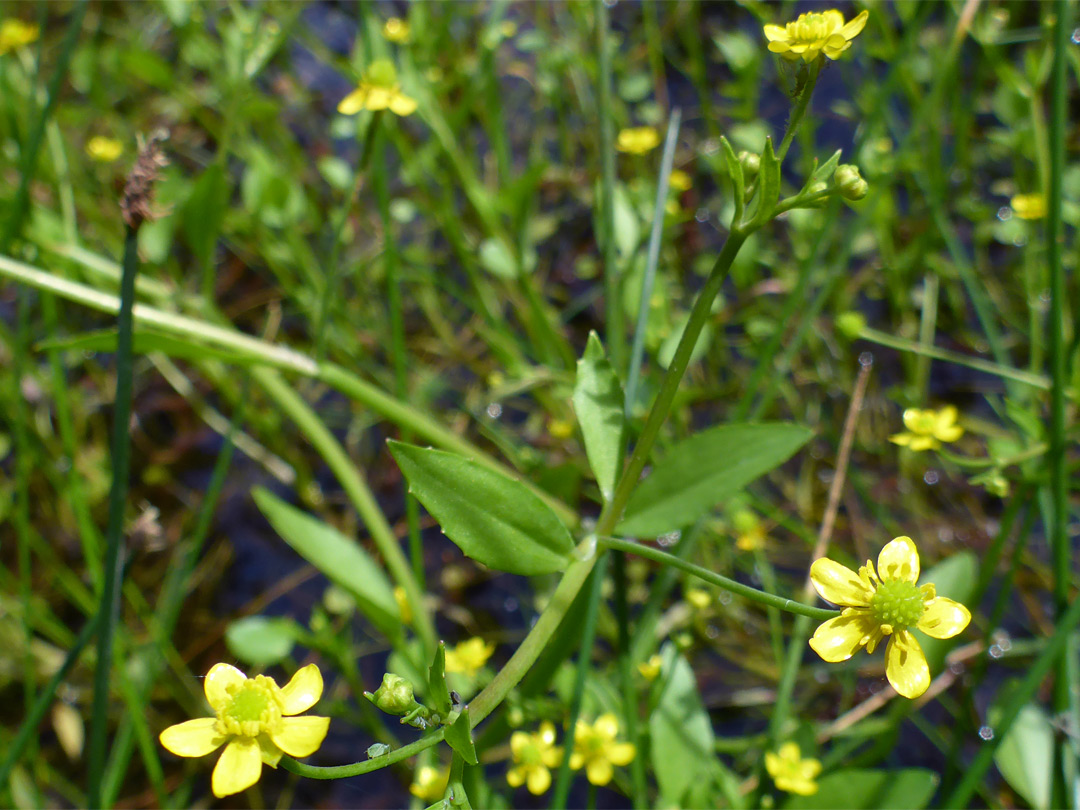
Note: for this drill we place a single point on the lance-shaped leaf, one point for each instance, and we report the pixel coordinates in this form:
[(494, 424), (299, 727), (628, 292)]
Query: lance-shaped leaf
[(439, 696), (703, 471), (598, 402), (495, 520), (459, 737), (768, 186), (738, 183)]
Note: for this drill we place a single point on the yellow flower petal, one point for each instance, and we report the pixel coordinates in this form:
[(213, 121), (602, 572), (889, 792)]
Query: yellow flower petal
[(300, 736), (779, 46), (772, 763), (402, 105), (547, 733), (855, 27), (539, 780), (302, 691), (899, 560), (789, 752), (354, 102), (839, 584), (905, 665), (840, 638), (949, 434), (607, 726), (519, 741), (515, 777), (809, 768), (576, 761), (378, 98), (944, 618), (914, 420), (238, 769), (919, 443), (216, 683), (599, 771), (776, 33), (902, 439), (269, 751), (621, 753), (195, 738)]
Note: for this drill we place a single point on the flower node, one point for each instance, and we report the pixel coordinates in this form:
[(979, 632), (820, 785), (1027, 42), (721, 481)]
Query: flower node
[(898, 603)]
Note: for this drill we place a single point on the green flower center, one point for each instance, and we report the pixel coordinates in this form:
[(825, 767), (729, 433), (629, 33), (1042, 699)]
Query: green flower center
[(897, 603), (248, 704), (253, 708)]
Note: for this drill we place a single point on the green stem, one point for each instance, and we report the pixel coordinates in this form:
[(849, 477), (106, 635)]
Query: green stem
[(904, 345), (109, 608), (799, 110), (737, 588), (366, 766), (616, 340)]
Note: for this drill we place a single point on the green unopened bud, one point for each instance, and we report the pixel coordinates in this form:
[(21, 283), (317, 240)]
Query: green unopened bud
[(849, 182), (751, 163), (850, 324), (394, 696)]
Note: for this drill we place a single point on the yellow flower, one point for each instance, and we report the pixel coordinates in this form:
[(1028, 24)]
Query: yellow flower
[(698, 598), (679, 180), (254, 723), (404, 608), (397, 30), (1029, 206), (561, 428), (533, 755), (749, 533), (429, 783), (104, 149), (469, 656), (508, 28), (790, 772), (379, 90), (928, 429), (595, 748), (637, 140), (814, 33), (16, 33), (885, 603), (651, 668)]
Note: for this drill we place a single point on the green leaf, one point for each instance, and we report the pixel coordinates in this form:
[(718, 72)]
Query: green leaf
[(704, 470), (439, 696), (768, 185), (1025, 756), (342, 560), (627, 226), (738, 183), (144, 342), (824, 173), (204, 212), (598, 402), (459, 737), (496, 258), (495, 520), (857, 789), (261, 640), (954, 577), (680, 732)]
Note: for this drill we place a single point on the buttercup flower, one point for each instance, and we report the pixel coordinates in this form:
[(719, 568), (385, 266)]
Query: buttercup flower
[(469, 657), (254, 722), (379, 90), (749, 533), (397, 30), (679, 180), (651, 668), (698, 598), (637, 140), (1029, 206), (533, 755), (429, 784), (814, 33), (104, 149), (885, 603), (404, 608), (595, 749), (928, 429), (790, 772), (16, 33)]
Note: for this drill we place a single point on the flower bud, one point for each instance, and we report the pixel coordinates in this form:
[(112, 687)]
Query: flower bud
[(850, 324), (394, 696), (849, 182), (750, 162)]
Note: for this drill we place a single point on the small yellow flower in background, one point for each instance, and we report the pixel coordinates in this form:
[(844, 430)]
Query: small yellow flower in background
[(749, 533), (254, 723), (790, 772), (403, 606), (885, 603), (927, 429), (429, 784), (561, 428), (1029, 206), (679, 180), (469, 657), (397, 30), (104, 149), (651, 668), (637, 140), (698, 598), (533, 755), (508, 28), (379, 90), (815, 33), (595, 749), (16, 33)]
